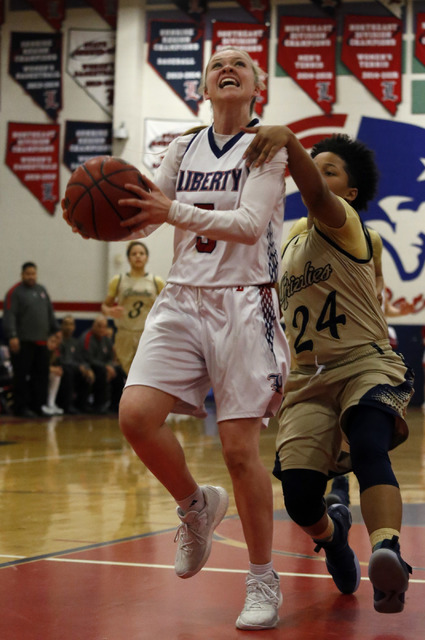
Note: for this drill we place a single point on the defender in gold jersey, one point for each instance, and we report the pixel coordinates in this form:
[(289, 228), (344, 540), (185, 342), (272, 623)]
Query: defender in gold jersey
[(347, 388)]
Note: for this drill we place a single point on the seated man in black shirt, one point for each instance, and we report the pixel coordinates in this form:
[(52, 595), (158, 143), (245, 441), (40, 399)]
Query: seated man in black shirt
[(77, 378), (98, 353)]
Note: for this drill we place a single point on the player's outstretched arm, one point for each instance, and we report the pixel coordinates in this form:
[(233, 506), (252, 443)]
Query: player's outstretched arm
[(319, 200), (267, 142)]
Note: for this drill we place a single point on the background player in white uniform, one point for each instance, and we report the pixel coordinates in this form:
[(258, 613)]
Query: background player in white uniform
[(130, 298), (216, 323), (345, 382)]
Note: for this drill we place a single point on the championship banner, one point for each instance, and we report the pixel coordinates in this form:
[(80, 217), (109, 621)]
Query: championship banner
[(33, 156), (306, 51), (196, 9), (252, 38), (36, 64), (91, 63), (107, 9), (176, 54), (394, 6), (420, 38), (371, 49), (259, 9), (158, 135), (85, 140), (53, 11)]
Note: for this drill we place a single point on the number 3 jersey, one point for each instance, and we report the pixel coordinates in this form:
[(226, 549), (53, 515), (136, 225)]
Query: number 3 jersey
[(228, 219), (328, 294), (136, 295)]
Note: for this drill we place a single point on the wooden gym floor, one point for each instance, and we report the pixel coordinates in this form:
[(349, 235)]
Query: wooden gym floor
[(87, 553)]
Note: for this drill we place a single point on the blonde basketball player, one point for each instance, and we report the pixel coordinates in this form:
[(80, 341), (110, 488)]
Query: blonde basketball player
[(216, 323), (129, 299), (346, 383)]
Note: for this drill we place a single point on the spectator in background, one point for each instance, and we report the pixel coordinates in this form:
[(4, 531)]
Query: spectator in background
[(78, 377), (98, 354), (55, 376), (28, 320), (130, 298)]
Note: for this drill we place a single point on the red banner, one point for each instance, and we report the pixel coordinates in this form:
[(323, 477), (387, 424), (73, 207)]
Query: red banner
[(252, 38), (107, 9), (53, 11), (259, 9), (306, 52), (420, 38), (33, 156), (371, 49)]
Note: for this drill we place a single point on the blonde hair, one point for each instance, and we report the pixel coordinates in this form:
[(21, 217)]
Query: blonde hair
[(259, 75)]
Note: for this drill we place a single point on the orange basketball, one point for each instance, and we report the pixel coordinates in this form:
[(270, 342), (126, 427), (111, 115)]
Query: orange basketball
[(92, 194)]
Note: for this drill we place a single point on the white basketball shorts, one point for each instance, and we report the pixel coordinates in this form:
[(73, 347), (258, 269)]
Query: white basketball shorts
[(228, 338)]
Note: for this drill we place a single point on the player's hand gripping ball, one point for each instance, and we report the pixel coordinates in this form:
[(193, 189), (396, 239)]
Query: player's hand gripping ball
[(92, 194)]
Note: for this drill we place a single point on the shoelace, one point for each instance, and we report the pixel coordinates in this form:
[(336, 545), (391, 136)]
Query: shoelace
[(187, 535), (259, 593)]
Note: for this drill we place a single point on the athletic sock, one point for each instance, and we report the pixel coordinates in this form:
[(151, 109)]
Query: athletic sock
[(260, 569), (377, 536), (327, 534), (194, 502)]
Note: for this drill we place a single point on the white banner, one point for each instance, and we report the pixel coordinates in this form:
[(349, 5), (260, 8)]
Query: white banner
[(91, 63), (158, 135)]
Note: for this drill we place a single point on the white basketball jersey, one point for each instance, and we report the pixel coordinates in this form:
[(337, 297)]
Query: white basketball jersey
[(213, 178)]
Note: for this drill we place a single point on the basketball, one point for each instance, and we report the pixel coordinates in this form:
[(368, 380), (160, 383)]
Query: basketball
[(92, 194)]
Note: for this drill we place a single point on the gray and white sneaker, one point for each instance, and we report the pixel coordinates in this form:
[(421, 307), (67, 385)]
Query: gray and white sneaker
[(263, 599), (194, 535)]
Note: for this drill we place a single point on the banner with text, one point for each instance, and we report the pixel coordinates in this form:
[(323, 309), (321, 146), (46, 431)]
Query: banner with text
[(306, 51), (107, 9), (158, 135), (252, 38), (36, 64), (176, 54), (259, 9), (53, 11), (85, 140), (33, 156), (91, 63), (420, 38), (371, 49)]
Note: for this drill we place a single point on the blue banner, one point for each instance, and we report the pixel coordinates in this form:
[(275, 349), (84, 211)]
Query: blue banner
[(36, 64), (176, 54), (85, 140)]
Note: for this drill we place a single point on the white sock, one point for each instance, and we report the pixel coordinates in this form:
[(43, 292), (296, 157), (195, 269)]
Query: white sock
[(54, 382), (260, 569), (194, 502)]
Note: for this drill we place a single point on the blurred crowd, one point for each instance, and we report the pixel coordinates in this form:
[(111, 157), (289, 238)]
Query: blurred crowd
[(47, 370)]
